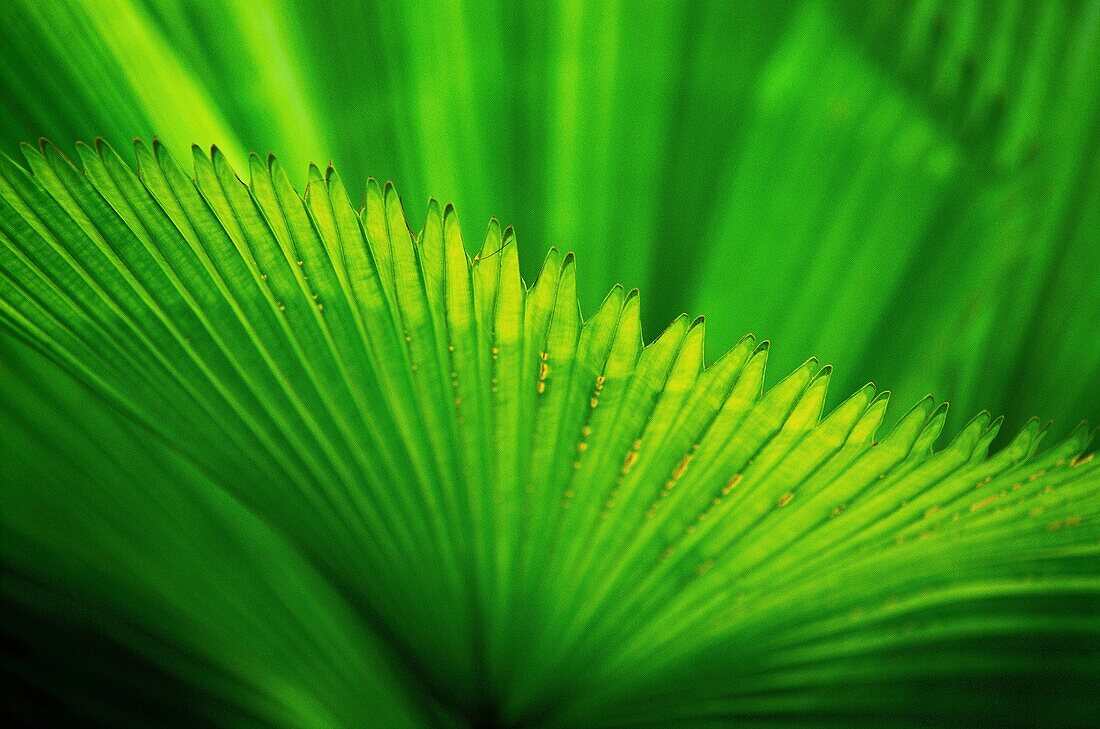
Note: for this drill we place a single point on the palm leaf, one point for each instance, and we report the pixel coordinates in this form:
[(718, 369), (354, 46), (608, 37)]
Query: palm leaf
[(921, 176), (453, 499)]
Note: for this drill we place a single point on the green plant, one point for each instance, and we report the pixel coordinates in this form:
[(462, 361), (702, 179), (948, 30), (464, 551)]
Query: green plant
[(302, 467), (271, 459), (905, 189)]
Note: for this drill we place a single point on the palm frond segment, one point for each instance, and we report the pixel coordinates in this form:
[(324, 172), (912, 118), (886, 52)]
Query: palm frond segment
[(526, 513)]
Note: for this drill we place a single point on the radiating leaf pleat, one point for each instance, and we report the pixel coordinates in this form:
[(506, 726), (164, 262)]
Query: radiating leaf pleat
[(443, 486)]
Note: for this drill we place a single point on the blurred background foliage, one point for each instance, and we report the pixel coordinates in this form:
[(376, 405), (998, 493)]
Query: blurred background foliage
[(905, 189)]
